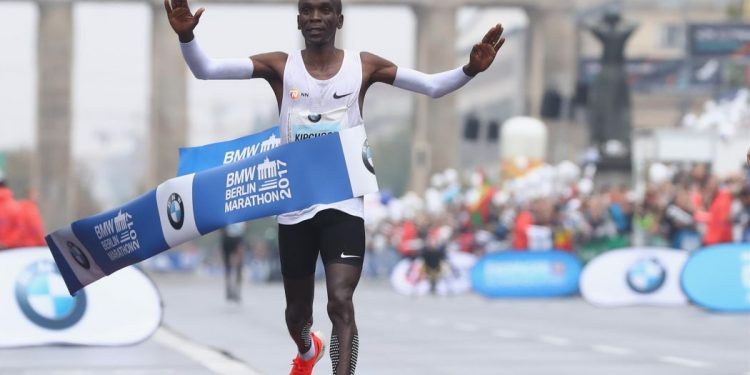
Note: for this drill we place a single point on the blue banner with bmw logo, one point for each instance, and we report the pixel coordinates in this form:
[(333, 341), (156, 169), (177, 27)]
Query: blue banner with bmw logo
[(526, 274), (200, 158), (718, 277), (286, 178)]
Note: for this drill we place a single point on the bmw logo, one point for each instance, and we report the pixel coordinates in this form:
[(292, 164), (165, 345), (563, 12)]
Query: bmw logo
[(43, 298), (314, 117), (175, 211), (646, 275), (367, 157), (78, 255)]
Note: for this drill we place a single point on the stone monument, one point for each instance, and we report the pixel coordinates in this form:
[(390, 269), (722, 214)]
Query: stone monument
[(609, 107)]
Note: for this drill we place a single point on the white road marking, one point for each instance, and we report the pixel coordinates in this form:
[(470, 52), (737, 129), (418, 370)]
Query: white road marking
[(466, 327), (211, 359), (684, 362), (554, 340), (506, 334), (608, 349)]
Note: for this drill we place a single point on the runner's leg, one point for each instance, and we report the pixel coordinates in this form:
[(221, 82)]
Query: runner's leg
[(341, 280), (299, 300), (342, 239), (298, 250)]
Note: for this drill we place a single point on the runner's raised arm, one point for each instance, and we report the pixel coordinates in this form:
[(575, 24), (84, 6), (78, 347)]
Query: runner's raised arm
[(438, 84)]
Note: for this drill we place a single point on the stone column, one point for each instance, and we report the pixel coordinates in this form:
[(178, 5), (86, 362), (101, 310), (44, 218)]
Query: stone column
[(435, 143), (169, 117), (52, 174), (552, 55)]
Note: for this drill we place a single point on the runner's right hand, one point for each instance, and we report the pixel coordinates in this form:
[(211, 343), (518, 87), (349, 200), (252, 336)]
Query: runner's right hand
[(183, 22)]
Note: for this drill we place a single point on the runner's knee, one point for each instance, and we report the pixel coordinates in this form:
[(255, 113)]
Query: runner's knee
[(341, 308)]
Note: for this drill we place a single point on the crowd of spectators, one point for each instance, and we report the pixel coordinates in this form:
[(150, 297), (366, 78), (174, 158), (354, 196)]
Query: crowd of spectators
[(560, 208), (551, 207)]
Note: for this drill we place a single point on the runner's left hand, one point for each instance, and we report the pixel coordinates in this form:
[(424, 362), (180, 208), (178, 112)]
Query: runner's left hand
[(483, 53)]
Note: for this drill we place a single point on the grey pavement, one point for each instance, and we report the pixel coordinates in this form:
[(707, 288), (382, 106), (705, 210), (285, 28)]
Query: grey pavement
[(466, 334), (148, 357)]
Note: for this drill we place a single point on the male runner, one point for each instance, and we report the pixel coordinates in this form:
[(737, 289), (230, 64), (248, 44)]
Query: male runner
[(321, 89)]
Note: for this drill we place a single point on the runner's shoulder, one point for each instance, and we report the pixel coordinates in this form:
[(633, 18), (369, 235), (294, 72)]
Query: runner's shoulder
[(374, 60), (271, 58), (376, 68), (269, 65)]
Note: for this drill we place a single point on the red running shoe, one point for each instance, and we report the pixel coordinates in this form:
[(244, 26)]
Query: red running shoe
[(302, 367)]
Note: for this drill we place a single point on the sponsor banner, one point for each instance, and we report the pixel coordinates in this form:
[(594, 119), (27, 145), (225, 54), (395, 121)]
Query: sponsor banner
[(107, 242), (288, 178), (176, 215), (281, 180), (643, 75), (37, 310), (75, 258), (635, 276), (195, 159), (718, 278), (358, 157), (720, 39), (410, 276), (527, 274)]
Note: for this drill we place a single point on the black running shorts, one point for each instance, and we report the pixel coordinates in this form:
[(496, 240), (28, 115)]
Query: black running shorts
[(336, 235)]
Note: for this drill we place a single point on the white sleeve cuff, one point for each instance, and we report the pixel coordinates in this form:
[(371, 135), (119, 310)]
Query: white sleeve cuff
[(434, 85), (204, 67)]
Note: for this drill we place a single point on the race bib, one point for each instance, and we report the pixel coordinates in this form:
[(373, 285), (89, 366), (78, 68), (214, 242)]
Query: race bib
[(305, 125)]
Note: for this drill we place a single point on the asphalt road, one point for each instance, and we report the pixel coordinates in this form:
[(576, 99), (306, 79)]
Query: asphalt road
[(413, 335)]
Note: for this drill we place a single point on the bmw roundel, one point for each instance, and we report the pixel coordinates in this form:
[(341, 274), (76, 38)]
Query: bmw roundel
[(646, 275), (367, 157), (78, 255), (175, 211), (44, 300), (314, 117)]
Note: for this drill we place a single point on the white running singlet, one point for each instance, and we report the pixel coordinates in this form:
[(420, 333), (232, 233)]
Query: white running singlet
[(311, 107)]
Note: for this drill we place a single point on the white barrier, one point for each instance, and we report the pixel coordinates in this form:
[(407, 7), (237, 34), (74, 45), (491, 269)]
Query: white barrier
[(36, 308)]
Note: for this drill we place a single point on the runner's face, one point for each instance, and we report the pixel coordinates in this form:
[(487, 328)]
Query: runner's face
[(318, 21)]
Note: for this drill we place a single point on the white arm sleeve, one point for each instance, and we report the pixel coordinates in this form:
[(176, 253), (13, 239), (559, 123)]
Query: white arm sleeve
[(434, 85), (204, 67)]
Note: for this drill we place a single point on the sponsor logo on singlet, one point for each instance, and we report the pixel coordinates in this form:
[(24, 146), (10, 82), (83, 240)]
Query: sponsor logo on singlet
[(295, 94)]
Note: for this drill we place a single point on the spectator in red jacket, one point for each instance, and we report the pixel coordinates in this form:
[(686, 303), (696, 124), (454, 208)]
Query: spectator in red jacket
[(9, 217), (719, 226), (523, 221), (31, 227)]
